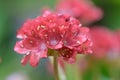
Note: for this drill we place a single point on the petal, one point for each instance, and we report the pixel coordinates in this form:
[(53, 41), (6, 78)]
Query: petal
[(19, 48), (38, 54), (84, 30), (35, 57), (75, 36), (26, 29), (42, 52), (46, 13), (81, 38), (21, 36), (85, 47), (30, 43), (55, 44), (25, 59), (53, 38)]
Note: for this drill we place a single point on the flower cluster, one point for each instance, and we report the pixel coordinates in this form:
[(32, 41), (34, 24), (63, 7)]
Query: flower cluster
[(52, 32), (104, 41), (84, 10)]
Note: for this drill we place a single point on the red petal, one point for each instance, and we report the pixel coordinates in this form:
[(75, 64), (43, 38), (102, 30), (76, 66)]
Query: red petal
[(30, 43), (25, 59), (19, 48), (40, 53), (75, 36), (35, 57), (53, 38)]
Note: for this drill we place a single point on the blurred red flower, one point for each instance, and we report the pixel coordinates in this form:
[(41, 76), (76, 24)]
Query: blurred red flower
[(104, 41), (84, 10)]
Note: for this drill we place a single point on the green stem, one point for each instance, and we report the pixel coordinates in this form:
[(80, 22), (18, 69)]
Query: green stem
[(56, 67)]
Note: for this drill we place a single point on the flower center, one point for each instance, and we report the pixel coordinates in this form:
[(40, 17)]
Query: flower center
[(43, 46), (53, 42)]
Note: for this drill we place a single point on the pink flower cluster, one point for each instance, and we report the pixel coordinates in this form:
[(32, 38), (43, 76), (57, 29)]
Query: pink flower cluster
[(118, 37), (52, 31), (84, 10), (105, 41)]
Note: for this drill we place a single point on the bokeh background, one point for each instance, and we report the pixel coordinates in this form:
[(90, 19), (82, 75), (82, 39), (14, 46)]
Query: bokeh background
[(13, 13)]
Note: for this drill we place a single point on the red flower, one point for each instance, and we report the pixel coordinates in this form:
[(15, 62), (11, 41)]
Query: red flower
[(116, 45), (50, 31), (104, 41), (84, 10)]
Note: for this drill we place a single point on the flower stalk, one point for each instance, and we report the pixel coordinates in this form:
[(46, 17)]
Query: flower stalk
[(55, 63)]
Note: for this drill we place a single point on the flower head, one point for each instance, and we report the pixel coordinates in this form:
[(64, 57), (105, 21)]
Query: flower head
[(104, 41), (84, 10), (52, 31), (117, 42)]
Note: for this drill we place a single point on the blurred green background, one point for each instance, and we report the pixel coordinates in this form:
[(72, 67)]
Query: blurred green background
[(13, 13)]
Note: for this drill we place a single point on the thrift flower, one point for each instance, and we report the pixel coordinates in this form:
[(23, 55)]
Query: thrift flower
[(51, 32), (84, 10), (104, 41), (117, 34)]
